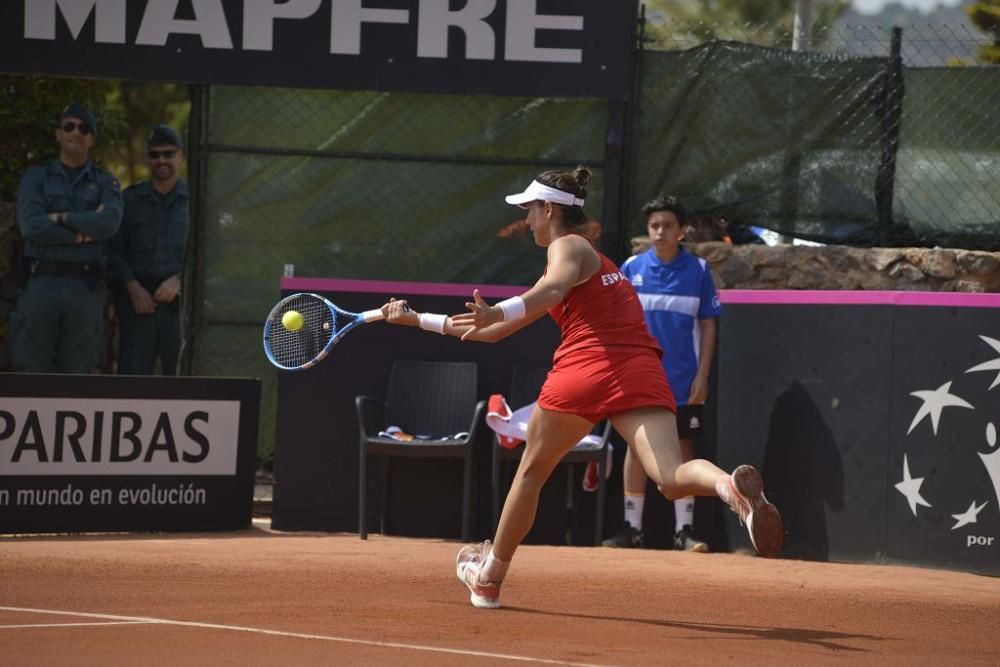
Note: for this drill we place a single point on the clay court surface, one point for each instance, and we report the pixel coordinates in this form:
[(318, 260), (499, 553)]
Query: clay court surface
[(263, 598)]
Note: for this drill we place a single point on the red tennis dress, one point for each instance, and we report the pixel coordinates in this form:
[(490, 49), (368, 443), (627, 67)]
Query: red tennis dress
[(607, 362)]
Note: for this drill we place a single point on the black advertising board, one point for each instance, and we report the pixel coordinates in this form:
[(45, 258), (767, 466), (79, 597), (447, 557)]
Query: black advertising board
[(547, 48), (316, 457), (944, 456), (803, 395), (875, 418), (82, 453)]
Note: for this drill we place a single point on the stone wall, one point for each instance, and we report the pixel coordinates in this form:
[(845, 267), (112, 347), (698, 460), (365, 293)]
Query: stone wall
[(845, 268)]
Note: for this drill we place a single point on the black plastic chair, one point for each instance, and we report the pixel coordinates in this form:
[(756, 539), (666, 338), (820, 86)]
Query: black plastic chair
[(526, 383), (424, 397)]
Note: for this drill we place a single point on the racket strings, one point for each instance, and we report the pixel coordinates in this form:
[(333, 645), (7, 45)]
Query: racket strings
[(296, 348)]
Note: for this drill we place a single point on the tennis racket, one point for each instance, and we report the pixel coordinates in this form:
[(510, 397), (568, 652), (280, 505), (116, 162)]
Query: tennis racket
[(322, 326)]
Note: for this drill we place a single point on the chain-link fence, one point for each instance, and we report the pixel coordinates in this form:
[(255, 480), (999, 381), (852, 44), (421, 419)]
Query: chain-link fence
[(865, 136), (366, 185), (870, 137)]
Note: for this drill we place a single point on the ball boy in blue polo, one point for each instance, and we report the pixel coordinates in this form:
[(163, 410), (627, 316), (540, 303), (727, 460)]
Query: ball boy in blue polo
[(681, 306)]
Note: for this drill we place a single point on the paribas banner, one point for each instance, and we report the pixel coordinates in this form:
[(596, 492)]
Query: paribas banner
[(67, 436), (506, 47), (136, 454)]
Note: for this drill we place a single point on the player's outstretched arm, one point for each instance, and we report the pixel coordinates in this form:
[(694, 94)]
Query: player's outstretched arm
[(571, 260), (465, 328), (399, 312)]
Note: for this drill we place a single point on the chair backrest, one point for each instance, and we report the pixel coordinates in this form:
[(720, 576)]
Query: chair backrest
[(525, 384), (431, 397)]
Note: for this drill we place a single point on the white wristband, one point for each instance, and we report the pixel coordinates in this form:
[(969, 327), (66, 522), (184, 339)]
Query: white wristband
[(513, 308), (433, 322)]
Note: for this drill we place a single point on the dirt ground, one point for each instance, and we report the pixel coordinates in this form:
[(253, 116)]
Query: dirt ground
[(263, 598)]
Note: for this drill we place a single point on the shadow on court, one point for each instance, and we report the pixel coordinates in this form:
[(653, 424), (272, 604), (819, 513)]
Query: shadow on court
[(821, 638)]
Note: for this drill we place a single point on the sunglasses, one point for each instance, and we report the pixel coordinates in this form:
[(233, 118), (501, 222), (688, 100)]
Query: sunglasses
[(156, 155), (69, 126)]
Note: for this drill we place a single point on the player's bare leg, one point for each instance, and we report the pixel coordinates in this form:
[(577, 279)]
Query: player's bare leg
[(482, 567), (652, 434), (550, 436)]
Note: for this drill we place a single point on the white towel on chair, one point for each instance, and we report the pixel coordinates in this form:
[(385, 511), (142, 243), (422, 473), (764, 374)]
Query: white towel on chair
[(511, 427)]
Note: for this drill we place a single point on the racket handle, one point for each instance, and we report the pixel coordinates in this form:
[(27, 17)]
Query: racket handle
[(372, 315)]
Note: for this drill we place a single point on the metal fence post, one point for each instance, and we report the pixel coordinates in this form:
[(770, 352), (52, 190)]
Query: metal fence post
[(194, 263), (611, 223), (890, 112)]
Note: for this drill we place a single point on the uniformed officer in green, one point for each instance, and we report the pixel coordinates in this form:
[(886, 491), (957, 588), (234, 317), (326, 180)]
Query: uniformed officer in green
[(67, 209), (147, 255)]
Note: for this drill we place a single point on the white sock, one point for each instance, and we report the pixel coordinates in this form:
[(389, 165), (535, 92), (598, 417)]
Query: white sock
[(494, 569), (683, 513), (633, 510)]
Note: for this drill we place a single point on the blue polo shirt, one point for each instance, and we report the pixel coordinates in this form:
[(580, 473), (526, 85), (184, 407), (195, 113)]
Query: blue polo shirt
[(674, 296)]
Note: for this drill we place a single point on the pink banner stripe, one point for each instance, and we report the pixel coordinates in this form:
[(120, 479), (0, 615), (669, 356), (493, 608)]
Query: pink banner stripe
[(860, 298), (388, 288)]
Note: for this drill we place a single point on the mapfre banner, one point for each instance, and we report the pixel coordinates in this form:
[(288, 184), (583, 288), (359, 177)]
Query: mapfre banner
[(101, 452), (505, 47)]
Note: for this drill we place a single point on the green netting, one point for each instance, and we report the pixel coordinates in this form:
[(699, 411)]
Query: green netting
[(349, 218), (402, 186), (418, 125), (363, 185), (802, 142), (765, 137), (946, 171)]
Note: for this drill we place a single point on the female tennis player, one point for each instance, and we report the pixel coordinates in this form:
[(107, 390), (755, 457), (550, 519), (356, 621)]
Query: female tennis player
[(606, 366)]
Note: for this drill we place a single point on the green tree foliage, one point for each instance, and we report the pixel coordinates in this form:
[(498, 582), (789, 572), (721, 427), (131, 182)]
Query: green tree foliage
[(765, 22), (985, 15), (29, 114), (143, 105)]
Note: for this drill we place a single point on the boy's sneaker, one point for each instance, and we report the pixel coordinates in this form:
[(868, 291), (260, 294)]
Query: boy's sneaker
[(468, 563), (767, 533), (630, 538), (684, 541)]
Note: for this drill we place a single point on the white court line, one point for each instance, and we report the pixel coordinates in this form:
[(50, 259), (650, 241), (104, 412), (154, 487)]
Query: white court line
[(301, 635), (72, 625)]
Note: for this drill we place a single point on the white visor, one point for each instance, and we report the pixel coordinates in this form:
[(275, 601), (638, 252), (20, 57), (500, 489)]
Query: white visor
[(538, 192)]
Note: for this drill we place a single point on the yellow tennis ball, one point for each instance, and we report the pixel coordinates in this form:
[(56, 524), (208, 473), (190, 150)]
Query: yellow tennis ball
[(292, 320)]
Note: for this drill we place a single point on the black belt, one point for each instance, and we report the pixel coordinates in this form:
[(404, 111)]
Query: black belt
[(56, 268)]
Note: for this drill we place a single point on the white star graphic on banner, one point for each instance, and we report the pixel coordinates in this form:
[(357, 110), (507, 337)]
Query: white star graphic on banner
[(934, 402), (992, 459), (910, 488), (969, 516), (992, 364)]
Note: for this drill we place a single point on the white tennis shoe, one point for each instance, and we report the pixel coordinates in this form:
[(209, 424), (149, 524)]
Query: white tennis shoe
[(468, 564)]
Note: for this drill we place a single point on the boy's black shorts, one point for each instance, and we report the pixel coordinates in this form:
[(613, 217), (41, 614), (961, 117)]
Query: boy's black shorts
[(690, 420)]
